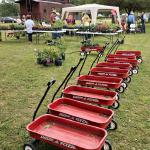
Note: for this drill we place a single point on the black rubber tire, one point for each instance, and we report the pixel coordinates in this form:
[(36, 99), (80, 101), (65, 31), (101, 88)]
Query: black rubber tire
[(130, 73), (135, 71), (124, 84), (113, 125), (29, 146), (115, 105), (120, 89), (117, 97), (128, 79), (82, 53), (136, 67), (139, 59), (107, 146)]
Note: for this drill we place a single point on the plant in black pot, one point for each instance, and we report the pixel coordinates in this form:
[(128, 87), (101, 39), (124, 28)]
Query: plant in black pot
[(58, 25), (55, 54), (62, 48), (44, 57)]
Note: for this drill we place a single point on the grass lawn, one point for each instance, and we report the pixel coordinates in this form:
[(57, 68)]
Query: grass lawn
[(23, 82)]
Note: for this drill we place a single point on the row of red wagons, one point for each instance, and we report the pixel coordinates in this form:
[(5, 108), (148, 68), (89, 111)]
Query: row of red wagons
[(80, 118)]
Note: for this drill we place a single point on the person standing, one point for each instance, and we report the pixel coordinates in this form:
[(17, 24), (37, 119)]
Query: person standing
[(131, 19), (114, 16), (123, 22), (143, 20), (29, 25)]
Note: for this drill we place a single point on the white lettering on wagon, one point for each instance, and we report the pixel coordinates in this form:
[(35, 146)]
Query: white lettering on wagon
[(96, 84), (86, 98), (58, 142), (108, 74), (73, 118)]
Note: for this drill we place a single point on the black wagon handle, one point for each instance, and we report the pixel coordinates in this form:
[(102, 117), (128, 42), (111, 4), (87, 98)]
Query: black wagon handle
[(67, 78), (99, 55), (111, 49), (49, 85), (119, 43)]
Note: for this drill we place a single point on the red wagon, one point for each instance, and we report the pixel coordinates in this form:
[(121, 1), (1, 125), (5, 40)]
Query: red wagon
[(116, 65), (111, 72), (91, 48), (83, 113), (102, 81), (121, 56), (131, 52), (133, 62), (91, 95), (66, 134)]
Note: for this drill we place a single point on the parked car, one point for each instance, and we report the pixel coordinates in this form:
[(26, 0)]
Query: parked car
[(8, 20)]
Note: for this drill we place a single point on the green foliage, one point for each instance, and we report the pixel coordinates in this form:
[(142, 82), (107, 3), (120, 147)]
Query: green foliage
[(50, 53), (127, 5), (12, 27), (58, 25), (9, 9), (5, 26)]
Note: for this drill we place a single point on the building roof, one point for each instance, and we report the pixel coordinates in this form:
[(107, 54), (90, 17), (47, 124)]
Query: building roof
[(42, 1)]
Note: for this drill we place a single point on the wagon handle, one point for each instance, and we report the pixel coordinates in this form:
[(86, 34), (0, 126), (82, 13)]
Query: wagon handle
[(99, 55), (49, 84), (72, 68), (107, 43), (85, 58), (119, 43), (81, 59), (112, 48)]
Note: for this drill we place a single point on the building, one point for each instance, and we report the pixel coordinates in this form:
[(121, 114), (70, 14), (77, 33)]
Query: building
[(41, 9)]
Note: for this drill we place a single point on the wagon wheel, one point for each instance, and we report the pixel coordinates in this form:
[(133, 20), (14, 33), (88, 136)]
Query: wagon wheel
[(29, 146), (115, 105), (130, 73), (117, 97), (82, 53), (136, 67), (128, 79), (107, 146), (113, 125), (120, 89), (125, 85), (135, 71), (88, 53), (139, 59)]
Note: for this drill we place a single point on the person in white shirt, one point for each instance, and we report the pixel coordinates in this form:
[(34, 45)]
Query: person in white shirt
[(29, 25)]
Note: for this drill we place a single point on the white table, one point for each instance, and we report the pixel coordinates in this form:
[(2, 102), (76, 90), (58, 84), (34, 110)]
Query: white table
[(111, 35), (37, 32)]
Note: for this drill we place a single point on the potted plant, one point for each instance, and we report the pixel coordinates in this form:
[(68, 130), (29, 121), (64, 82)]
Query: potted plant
[(58, 25)]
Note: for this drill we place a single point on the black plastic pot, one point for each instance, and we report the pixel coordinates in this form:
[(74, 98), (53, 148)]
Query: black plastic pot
[(58, 62)]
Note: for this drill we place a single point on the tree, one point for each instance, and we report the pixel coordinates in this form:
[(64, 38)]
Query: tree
[(9, 8), (125, 5)]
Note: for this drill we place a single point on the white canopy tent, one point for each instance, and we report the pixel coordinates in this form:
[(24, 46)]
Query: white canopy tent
[(93, 8)]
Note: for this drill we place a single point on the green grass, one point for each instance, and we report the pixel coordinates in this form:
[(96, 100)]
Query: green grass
[(23, 82)]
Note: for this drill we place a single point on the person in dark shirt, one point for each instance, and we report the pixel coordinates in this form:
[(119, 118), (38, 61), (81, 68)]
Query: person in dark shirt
[(143, 20)]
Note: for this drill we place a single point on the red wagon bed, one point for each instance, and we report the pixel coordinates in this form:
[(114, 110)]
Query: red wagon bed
[(91, 95), (120, 56), (114, 65), (133, 62), (100, 81), (130, 53), (110, 72), (67, 134), (81, 112), (91, 48)]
